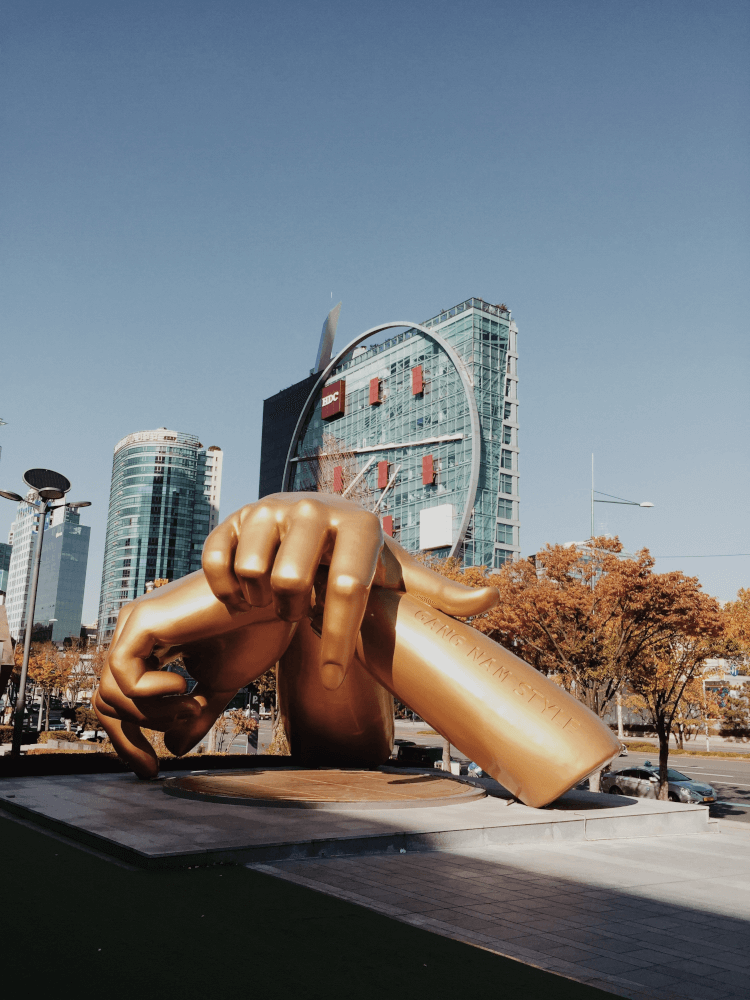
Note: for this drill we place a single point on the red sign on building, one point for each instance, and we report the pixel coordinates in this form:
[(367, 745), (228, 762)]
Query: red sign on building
[(338, 479), (375, 391), (417, 381), (428, 470), (333, 403), (388, 525), (382, 475)]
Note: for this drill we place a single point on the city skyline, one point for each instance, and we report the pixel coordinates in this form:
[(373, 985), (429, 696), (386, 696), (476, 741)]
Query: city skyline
[(189, 192)]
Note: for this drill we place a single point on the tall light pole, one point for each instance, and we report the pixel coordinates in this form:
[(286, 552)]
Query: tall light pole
[(627, 503), (47, 486)]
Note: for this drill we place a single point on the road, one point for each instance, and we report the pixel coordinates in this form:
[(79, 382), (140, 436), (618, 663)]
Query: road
[(730, 778)]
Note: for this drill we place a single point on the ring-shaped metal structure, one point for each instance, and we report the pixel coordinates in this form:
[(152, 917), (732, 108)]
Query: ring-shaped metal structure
[(476, 439)]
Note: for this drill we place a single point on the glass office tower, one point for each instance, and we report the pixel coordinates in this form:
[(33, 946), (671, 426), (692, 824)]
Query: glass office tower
[(21, 538), (164, 501), (5, 551), (62, 577), (422, 428)]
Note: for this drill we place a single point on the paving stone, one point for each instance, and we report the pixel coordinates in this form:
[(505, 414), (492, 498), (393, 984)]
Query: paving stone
[(612, 966)]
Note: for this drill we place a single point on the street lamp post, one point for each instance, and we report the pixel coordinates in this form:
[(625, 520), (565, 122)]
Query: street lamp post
[(612, 499), (48, 486)]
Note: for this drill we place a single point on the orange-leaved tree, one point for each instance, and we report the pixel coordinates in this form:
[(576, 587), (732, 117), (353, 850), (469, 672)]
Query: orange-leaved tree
[(581, 613), (736, 616), (667, 674), (597, 621), (49, 671)]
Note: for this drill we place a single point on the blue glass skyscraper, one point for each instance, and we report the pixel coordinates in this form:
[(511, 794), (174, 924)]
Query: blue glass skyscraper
[(62, 577), (164, 501)]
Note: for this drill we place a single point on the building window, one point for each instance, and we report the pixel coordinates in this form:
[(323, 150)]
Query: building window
[(502, 556), (506, 484), (504, 534), (507, 435), (505, 509), (507, 411), (506, 459)]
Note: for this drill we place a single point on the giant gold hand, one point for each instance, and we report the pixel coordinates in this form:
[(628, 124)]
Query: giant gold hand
[(237, 618)]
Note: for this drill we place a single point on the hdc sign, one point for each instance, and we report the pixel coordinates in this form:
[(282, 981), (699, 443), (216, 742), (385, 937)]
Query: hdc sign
[(333, 403)]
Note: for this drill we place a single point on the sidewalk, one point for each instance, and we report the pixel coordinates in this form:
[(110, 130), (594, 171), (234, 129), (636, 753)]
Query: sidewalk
[(652, 919)]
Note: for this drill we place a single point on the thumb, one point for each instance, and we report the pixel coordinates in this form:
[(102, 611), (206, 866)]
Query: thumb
[(449, 596)]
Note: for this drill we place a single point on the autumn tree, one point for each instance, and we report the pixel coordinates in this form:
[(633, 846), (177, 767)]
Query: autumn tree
[(231, 725), (596, 621), (735, 712), (665, 673), (736, 616), (49, 671), (697, 705), (582, 614)]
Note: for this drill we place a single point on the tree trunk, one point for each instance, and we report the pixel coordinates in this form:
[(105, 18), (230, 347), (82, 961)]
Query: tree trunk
[(663, 734), (595, 780), (40, 716), (446, 755)]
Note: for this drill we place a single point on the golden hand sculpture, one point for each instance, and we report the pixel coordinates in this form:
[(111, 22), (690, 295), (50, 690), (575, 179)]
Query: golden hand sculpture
[(308, 580)]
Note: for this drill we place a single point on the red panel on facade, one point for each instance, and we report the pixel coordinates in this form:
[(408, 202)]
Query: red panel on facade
[(374, 391), (428, 470), (417, 382), (388, 525), (338, 479), (333, 403), (382, 475)]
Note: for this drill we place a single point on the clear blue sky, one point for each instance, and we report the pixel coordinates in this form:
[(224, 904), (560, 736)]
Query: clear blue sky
[(186, 185)]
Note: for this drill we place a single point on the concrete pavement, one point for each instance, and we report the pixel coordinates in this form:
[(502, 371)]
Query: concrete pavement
[(648, 919)]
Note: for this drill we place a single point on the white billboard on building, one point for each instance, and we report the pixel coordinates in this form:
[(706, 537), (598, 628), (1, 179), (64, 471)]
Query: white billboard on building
[(436, 526)]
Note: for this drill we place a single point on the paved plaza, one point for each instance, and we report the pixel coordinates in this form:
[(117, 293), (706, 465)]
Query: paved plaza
[(650, 919)]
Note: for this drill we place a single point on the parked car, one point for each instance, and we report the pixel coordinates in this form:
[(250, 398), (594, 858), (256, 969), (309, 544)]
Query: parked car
[(644, 782), (413, 755), (623, 750)]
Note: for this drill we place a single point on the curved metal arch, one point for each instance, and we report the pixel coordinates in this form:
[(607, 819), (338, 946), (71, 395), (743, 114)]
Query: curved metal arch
[(476, 438)]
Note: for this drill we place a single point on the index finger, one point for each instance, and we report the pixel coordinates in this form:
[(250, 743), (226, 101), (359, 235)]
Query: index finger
[(352, 568)]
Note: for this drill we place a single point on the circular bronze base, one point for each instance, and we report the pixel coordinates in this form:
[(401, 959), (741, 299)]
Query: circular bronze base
[(323, 789)]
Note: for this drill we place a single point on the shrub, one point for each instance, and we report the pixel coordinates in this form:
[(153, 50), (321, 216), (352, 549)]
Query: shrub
[(28, 736), (62, 735)]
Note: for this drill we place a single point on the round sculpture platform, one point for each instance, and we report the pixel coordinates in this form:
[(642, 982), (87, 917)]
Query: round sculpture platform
[(323, 789)]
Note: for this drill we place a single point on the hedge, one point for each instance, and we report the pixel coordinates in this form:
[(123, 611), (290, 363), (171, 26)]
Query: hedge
[(61, 735)]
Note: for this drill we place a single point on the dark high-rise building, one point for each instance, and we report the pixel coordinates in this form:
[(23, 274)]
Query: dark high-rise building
[(281, 412)]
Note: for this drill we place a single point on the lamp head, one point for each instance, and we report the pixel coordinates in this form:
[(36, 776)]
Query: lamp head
[(50, 493), (645, 504), (79, 503), (48, 484), (10, 496)]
